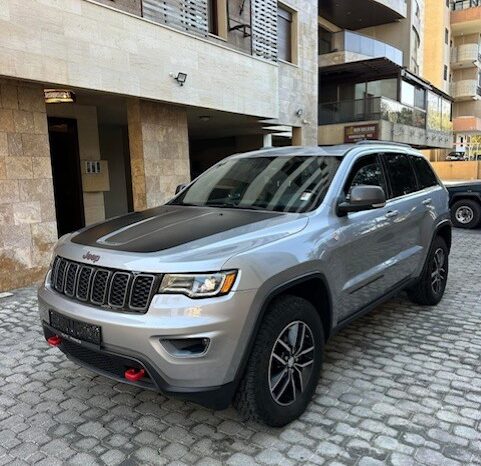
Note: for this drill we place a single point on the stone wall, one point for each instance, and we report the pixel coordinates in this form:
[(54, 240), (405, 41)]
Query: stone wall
[(298, 82), (28, 227), (81, 44), (159, 151)]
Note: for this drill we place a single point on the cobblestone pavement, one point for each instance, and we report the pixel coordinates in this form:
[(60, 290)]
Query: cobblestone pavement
[(400, 386)]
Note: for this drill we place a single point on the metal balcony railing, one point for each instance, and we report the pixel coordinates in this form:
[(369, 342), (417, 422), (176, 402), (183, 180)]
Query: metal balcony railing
[(464, 4)]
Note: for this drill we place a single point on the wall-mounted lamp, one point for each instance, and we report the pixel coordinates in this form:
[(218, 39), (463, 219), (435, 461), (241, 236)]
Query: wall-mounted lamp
[(59, 96), (205, 118), (181, 78)]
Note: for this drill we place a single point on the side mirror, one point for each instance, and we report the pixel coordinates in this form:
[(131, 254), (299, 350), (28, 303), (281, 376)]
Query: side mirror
[(363, 197), (180, 188)]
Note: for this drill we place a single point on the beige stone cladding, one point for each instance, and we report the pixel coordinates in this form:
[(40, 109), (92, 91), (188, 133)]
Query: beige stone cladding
[(298, 81), (28, 227), (82, 44), (159, 151)]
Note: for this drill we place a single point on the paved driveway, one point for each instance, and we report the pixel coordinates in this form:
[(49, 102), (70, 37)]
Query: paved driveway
[(400, 386)]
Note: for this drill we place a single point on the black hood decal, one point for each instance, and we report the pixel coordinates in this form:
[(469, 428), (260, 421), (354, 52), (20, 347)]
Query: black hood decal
[(166, 227)]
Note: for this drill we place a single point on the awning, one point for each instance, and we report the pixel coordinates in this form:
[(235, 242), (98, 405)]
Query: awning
[(370, 70), (363, 70), (358, 14)]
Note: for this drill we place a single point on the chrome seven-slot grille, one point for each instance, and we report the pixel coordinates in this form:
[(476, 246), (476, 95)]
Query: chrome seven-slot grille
[(116, 289)]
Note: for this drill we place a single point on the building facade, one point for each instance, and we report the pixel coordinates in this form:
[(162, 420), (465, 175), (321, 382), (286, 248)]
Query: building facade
[(147, 93), (371, 83), (466, 77), (438, 42)]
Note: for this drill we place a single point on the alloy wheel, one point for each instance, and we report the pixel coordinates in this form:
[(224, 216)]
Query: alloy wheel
[(438, 271), (291, 362)]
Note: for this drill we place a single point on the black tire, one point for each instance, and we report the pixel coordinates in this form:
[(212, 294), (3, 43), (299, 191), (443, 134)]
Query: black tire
[(254, 399), (466, 213), (425, 292)]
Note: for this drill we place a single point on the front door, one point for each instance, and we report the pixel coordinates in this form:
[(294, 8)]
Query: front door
[(67, 178), (362, 260)]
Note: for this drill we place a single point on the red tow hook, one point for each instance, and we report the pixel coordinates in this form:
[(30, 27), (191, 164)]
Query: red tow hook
[(134, 375), (54, 341)]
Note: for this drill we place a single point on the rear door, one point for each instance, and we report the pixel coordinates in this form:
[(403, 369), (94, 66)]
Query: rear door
[(432, 196), (407, 213)]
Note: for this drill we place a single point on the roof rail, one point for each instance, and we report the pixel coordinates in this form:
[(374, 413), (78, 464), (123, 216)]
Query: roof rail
[(389, 143)]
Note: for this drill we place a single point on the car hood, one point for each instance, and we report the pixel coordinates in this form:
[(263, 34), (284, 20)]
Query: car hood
[(179, 237)]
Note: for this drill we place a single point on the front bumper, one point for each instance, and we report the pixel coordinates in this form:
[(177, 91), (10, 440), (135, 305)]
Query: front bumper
[(206, 379)]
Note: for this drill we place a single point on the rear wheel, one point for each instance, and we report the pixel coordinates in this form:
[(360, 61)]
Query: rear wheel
[(285, 363), (466, 213), (429, 290)]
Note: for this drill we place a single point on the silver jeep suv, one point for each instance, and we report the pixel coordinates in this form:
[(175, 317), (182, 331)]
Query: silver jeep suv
[(230, 291)]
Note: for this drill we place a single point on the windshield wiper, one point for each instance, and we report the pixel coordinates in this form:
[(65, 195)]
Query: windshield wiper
[(221, 205), (188, 204), (235, 206)]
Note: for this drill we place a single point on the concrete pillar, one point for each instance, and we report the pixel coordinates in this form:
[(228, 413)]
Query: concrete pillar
[(28, 228), (267, 141), (159, 151)]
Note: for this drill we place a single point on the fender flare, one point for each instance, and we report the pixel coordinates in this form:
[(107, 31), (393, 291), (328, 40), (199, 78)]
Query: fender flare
[(436, 233), (272, 294), (464, 195)]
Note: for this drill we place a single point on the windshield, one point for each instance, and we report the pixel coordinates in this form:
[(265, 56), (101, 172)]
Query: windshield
[(281, 184)]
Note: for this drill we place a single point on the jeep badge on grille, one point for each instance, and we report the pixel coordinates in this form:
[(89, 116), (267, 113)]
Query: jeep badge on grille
[(88, 256)]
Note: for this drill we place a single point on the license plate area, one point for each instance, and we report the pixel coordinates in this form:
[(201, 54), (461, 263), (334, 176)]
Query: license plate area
[(76, 329)]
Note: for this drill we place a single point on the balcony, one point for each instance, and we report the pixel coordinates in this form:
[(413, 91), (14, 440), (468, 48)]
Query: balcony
[(349, 14), (371, 109), (466, 17), (251, 31), (394, 121), (467, 89), (348, 46), (465, 56), (457, 5)]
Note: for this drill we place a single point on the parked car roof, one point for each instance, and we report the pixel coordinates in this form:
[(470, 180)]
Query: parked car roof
[(336, 150)]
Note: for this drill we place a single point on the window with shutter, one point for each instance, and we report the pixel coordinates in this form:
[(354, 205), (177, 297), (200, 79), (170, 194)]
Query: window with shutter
[(284, 34)]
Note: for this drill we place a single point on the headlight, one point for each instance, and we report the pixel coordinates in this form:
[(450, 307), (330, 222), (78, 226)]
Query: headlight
[(198, 285)]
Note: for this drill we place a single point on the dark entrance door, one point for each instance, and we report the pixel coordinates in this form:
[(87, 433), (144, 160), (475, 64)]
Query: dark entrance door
[(67, 178)]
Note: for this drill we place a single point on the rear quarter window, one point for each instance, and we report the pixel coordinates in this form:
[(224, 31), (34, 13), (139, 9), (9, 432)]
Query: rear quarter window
[(401, 174), (424, 173)]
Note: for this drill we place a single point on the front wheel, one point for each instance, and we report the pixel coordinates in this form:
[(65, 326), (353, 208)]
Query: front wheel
[(285, 363), (429, 290)]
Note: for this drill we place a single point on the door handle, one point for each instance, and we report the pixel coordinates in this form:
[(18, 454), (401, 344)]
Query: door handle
[(427, 201), (392, 214)]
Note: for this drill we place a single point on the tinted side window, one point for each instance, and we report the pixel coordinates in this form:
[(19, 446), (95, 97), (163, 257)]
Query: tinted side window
[(424, 173), (401, 174), (366, 170)]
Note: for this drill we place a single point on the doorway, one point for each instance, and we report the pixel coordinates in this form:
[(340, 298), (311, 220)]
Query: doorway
[(67, 177)]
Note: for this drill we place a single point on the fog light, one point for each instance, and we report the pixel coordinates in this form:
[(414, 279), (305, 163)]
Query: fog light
[(186, 347)]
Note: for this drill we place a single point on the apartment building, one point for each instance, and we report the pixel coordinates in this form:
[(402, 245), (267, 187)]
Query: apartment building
[(371, 66), (437, 44), (466, 76), (106, 106)]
